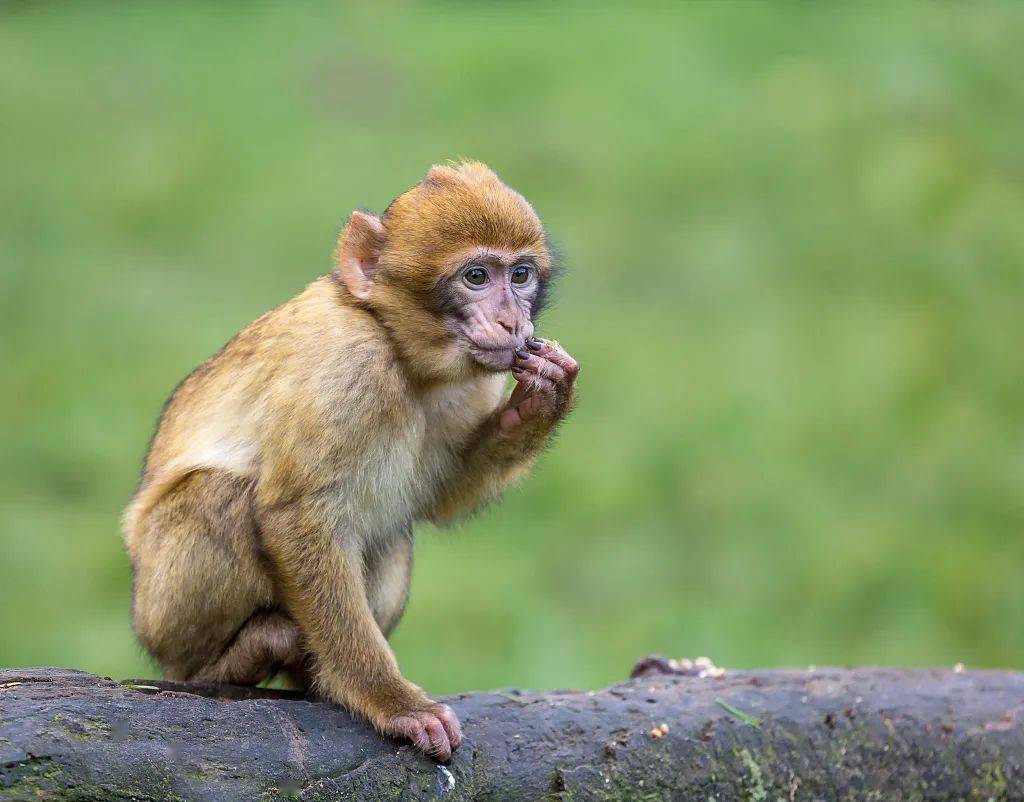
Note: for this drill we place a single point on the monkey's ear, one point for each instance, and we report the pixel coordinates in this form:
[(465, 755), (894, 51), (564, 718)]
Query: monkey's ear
[(359, 248)]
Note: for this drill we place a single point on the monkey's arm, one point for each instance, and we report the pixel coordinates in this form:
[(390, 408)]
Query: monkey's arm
[(507, 443), (323, 587), (493, 460)]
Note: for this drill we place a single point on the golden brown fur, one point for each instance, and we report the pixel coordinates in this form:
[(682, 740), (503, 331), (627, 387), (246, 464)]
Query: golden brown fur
[(272, 526)]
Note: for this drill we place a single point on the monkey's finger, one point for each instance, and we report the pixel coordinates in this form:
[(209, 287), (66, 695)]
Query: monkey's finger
[(409, 727), (561, 358), (556, 365), (439, 748), (525, 374), (553, 352), (547, 368), (532, 384), (551, 389), (451, 725), (524, 387), (549, 378)]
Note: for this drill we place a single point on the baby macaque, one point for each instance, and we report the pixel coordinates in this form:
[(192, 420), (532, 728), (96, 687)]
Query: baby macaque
[(272, 528)]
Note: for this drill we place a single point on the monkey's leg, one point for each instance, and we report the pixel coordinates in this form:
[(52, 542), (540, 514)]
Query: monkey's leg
[(388, 569), (198, 574), (322, 579), (268, 641)]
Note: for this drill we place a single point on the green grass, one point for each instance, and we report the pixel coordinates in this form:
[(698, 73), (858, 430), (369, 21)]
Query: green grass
[(796, 287)]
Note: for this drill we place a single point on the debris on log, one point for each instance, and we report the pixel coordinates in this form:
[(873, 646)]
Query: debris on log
[(668, 733)]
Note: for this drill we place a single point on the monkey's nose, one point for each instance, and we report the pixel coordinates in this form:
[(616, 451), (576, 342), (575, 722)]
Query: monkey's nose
[(509, 327)]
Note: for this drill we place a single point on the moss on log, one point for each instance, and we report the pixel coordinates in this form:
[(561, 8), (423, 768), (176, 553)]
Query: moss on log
[(825, 734)]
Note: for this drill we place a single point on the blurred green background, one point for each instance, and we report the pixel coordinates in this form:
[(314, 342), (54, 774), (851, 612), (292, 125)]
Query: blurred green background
[(795, 241)]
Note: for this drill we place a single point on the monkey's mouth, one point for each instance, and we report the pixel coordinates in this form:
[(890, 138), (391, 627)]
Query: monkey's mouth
[(495, 359)]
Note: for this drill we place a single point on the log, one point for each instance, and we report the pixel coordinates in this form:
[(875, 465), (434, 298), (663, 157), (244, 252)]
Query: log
[(828, 734)]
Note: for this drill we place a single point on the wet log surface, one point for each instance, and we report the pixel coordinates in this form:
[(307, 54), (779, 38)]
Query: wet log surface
[(825, 734)]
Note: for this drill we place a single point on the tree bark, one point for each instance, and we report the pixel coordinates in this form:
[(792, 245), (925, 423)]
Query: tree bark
[(823, 734)]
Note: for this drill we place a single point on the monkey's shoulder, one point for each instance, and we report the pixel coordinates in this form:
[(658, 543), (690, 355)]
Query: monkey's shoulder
[(315, 325), (303, 343), (304, 358)]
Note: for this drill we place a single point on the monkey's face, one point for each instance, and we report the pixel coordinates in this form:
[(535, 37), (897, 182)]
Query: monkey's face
[(488, 301)]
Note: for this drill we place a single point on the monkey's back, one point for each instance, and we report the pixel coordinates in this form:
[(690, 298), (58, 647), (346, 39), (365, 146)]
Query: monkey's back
[(268, 390)]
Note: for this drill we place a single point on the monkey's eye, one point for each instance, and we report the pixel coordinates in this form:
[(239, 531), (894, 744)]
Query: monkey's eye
[(475, 276), (520, 274)]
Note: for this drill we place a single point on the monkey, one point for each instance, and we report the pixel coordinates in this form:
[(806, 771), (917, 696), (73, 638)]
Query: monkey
[(272, 528)]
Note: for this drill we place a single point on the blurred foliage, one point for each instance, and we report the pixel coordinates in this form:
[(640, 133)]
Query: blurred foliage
[(795, 241)]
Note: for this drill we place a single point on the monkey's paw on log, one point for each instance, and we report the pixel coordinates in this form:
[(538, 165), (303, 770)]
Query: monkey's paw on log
[(833, 734)]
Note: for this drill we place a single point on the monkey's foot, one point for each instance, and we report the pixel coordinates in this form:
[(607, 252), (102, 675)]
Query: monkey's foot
[(435, 730)]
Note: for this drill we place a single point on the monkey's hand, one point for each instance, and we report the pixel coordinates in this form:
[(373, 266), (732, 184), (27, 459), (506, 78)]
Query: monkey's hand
[(546, 382)]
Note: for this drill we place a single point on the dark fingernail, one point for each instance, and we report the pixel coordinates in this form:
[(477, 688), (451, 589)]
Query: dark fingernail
[(517, 369), (522, 354), (534, 344)]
